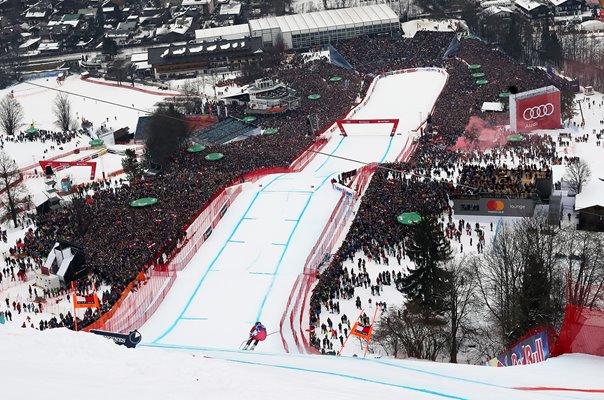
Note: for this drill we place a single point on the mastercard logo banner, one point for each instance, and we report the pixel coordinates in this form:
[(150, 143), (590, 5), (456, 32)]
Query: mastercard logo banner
[(495, 205)]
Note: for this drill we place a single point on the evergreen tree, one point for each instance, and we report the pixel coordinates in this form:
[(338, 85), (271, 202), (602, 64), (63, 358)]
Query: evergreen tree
[(426, 285), (166, 132), (131, 166), (554, 51), (512, 43), (567, 104)]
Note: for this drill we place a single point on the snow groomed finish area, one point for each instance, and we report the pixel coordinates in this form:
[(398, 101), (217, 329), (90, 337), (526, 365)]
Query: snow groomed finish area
[(245, 271)]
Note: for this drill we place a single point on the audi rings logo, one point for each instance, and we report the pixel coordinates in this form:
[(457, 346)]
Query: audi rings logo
[(544, 110)]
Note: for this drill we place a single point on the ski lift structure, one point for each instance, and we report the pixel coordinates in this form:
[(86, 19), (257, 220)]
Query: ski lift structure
[(361, 331)]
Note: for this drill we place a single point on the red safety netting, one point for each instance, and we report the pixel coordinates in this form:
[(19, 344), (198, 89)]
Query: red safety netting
[(142, 297), (583, 327)]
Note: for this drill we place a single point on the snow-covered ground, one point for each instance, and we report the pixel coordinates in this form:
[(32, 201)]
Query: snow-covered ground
[(62, 362), (37, 103)]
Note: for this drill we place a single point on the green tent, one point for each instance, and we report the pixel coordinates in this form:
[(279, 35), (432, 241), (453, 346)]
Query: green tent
[(96, 142), (474, 66), (408, 218), (249, 118), (32, 130), (214, 156), (314, 96), (482, 82), (515, 138), (270, 131), (471, 37), (335, 78), (504, 95), (477, 74), (144, 202), (196, 148)]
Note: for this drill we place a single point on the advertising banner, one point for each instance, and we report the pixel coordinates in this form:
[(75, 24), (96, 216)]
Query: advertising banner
[(535, 109), (530, 350), (129, 340)]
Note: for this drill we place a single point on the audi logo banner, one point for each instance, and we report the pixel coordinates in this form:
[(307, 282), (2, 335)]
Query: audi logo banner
[(535, 109), (532, 113)]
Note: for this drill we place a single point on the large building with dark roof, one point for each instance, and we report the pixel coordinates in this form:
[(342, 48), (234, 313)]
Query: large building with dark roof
[(205, 57)]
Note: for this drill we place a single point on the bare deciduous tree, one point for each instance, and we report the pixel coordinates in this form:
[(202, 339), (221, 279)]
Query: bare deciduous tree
[(462, 299), (13, 197), (499, 273), (11, 115), (63, 112), (410, 331), (578, 174), (583, 256)]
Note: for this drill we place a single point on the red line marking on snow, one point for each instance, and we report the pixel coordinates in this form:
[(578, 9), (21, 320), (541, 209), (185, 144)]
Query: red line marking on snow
[(555, 389)]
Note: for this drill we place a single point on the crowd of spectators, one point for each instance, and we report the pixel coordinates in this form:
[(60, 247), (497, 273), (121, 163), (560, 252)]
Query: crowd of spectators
[(426, 180), (119, 241), (499, 181)]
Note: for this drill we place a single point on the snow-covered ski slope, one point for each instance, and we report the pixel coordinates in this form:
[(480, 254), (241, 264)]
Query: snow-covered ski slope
[(245, 272), (61, 360)]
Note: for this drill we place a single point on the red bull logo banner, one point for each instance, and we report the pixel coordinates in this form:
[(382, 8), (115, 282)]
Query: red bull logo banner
[(535, 109), (529, 350)]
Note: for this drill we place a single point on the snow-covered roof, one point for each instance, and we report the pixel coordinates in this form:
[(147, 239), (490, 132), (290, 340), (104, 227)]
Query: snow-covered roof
[(181, 25), (591, 26), (189, 3), (225, 32), (557, 2), (136, 57), (592, 194), (528, 5), (35, 14), (327, 19), (232, 8), (30, 42), (501, 3), (492, 106), (49, 46), (494, 10)]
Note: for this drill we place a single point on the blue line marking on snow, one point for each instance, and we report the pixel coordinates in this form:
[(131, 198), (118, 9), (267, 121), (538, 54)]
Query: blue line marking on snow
[(290, 191), (314, 371), (235, 241), (195, 318), (204, 276), (249, 218), (387, 149), (394, 364), (261, 273), (328, 157), (347, 376), (279, 244), (270, 287)]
